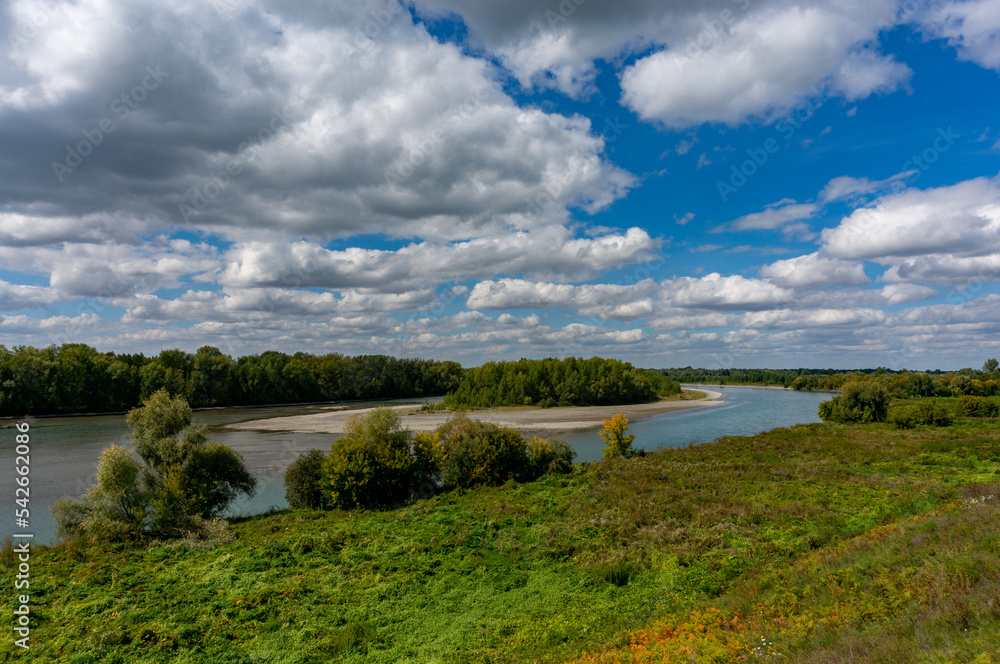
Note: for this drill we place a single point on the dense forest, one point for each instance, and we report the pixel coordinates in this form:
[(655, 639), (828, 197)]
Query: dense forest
[(553, 382), (75, 378), (977, 382)]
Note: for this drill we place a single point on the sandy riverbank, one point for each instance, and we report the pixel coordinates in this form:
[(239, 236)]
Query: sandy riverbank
[(523, 419)]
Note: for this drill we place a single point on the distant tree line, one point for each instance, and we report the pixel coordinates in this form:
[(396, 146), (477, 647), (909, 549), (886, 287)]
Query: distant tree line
[(75, 378), (904, 383), (798, 379), (552, 382), (866, 398)]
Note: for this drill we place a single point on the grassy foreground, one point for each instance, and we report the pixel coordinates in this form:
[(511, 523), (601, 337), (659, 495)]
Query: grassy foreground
[(819, 543)]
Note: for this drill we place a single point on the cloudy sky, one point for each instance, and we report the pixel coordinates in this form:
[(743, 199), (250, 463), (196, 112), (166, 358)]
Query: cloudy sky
[(717, 183)]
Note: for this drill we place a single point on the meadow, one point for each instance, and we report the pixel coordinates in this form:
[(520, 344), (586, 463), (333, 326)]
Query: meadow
[(817, 543)]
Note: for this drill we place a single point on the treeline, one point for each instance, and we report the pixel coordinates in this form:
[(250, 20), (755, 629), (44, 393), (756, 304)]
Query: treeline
[(798, 379), (553, 382), (983, 382), (867, 398), (979, 382), (75, 378)]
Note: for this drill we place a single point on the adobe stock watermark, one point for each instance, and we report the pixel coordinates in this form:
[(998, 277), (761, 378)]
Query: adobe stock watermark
[(958, 297), (452, 293), (549, 197), (613, 129), (122, 107), (37, 20), (227, 9), (403, 168), (363, 37), (566, 9), (576, 345), (713, 32), (202, 195), (943, 141), (758, 156)]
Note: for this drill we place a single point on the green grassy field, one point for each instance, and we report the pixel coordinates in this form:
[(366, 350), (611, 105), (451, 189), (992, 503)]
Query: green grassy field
[(819, 543)]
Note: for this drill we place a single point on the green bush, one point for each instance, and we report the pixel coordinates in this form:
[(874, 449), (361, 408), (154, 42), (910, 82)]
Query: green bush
[(550, 457), (378, 463), (834, 410), (971, 406), (372, 465), (932, 414), (618, 572), (304, 481), (926, 413), (902, 419), (860, 401), (473, 453), (356, 636), (178, 482)]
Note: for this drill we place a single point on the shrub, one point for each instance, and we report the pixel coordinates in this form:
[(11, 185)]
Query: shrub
[(550, 457), (473, 453), (860, 401), (178, 482), (426, 448), (834, 410), (304, 481), (971, 406), (617, 572), (372, 465), (932, 414), (356, 636), (617, 442), (901, 419)]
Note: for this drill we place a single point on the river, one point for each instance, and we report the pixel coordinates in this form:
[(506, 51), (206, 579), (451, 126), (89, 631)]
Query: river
[(64, 450)]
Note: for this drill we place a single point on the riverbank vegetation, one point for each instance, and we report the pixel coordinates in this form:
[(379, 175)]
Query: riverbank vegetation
[(868, 398), (377, 463), (981, 382), (178, 484), (75, 378), (817, 543), (553, 382)]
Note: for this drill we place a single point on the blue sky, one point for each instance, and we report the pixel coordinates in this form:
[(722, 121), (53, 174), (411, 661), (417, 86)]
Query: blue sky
[(720, 183)]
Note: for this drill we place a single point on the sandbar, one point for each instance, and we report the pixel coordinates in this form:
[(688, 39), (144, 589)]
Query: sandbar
[(524, 419)]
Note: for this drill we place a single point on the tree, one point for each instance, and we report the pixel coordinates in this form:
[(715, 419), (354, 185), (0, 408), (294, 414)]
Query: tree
[(304, 481), (617, 441), (372, 465), (550, 457), (474, 453), (990, 366), (860, 401), (961, 384), (187, 475), (114, 508), (211, 379), (178, 481)]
